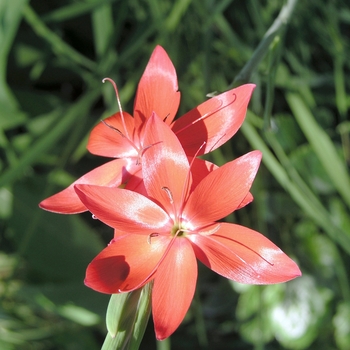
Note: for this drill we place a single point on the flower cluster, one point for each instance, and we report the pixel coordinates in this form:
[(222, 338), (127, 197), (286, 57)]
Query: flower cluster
[(166, 215)]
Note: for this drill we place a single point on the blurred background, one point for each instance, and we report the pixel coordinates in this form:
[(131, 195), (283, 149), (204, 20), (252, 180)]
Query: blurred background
[(53, 56)]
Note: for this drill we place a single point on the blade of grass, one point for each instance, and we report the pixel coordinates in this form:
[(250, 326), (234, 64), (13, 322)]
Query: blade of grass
[(339, 57), (10, 17), (275, 54), (103, 32), (340, 92), (322, 146), (278, 25), (176, 13), (73, 10), (218, 9), (317, 213), (103, 28), (48, 140), (59, 46)]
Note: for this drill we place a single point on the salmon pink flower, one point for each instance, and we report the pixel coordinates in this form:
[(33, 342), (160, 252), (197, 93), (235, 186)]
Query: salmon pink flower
[(120, 136), (159, 236)]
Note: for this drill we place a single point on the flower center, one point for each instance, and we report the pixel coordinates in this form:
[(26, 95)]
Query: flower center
[(178, 231)]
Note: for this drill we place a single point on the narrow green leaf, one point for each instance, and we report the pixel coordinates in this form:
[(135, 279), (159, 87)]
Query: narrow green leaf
[(79, 315), (102, 28), (142, 316), (59, 46), (10, 17), (278, 25), (341, 322), (339, 80), (73, 10), (313, 207), (121, 311), (322, 145), (116, 343), (127, 318), (69, 117), (176, 13)]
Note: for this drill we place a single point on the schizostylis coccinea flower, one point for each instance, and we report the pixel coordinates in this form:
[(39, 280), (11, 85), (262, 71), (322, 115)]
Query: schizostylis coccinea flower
[(160, 234), (121, 136)]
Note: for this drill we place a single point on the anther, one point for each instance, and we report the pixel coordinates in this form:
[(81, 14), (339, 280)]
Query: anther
[(154, 234), (145, 148), (170, 195), (113, 128), (166, 117)]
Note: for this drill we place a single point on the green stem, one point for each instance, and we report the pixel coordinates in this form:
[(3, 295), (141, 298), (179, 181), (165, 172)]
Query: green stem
[(164, 344), (58, 45), (278, 25)]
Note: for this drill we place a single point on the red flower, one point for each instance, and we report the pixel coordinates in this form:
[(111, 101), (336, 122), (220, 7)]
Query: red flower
[(159, 236), (214, 122)]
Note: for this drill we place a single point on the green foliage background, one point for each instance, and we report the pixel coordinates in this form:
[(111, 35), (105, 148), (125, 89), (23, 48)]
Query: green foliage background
[(53, 56)]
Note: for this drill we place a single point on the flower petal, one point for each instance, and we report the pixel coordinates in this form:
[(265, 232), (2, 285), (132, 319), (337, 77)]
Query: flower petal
[(164, 164), (174, 287), (110, 139), (111, 174), (222, 191), (124, 210), (157, 90), (126, 264), (244, 255), (214, 121), (200, 168), (136, 184), (248, 199)]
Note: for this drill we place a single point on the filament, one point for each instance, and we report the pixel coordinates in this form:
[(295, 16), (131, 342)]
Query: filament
[(119, 104), (206, 115)]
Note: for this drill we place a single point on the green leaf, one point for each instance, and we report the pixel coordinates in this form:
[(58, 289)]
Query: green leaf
[(309, 203), (341, 323), (10, 17), (59, 46), (296, 320), (79, 315), (311, 170), (46, 141), (322, 146), (127, 318), (73, 10), (56, 247), (142, 316), (121, 312)]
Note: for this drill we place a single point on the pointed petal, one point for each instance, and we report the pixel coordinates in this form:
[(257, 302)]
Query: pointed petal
[(244, 255), (214, 121), (111, 174), (222, 191), (124, 210), (164, 164), (106, 141), (158, 90), (174, 287), (125, 264), (136, 184), (248, 199), (200, 168)]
